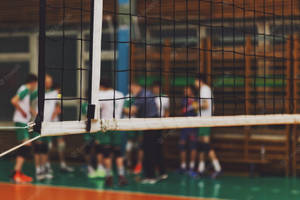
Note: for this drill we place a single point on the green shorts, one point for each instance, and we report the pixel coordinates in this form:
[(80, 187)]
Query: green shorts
[(110, 138), (117, 138), (204, 131), (103, 138), (88, 137), (22, 134), (43, 139)]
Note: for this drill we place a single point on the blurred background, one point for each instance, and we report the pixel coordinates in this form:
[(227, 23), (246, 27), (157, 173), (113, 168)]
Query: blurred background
[(247, 49)]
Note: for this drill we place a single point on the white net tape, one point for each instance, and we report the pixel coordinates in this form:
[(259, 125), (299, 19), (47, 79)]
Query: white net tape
[(134, 124)]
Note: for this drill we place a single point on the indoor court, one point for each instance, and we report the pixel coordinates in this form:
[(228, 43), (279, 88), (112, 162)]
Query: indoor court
[(149, 99), (178, 187)]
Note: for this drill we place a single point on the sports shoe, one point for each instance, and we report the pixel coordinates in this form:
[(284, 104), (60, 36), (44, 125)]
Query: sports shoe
[(92, 174), (19, 177), (145, 181), (40, 176), (181, 171), (149, 181), (122, 181), (138, 169), (215, 174), (201, 174), (97, 174), (48, 172), (163, 177), (48, 168), (192, 173), (26, 178), (48, 176), (109, 181), (100, 173), (66, 168)]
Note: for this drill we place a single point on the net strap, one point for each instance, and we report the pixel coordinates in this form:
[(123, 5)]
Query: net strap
[(29, 127)]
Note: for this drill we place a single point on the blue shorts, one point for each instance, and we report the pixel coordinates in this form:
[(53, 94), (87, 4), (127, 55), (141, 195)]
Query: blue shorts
[(189, 136)]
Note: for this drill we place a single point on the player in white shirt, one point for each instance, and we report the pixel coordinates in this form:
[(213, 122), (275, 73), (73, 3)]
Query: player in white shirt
[(163, 106), (162, 100), (111, 106), (134, 140), (206, 110), (111, 103), (61, 144), (22, 115), (41, 146)]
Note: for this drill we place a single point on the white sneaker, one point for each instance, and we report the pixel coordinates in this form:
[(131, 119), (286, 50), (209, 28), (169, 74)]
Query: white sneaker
[(48, 176), (149, 181), (145, 181), (163, 177), (48, 172), (66, 168), (40, 176), (152, 181)]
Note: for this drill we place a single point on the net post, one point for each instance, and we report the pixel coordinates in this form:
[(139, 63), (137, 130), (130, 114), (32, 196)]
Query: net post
[(41, 66), (95, 59)]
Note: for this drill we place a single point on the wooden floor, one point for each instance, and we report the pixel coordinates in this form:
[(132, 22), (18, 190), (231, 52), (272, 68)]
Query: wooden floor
[(10, 191)]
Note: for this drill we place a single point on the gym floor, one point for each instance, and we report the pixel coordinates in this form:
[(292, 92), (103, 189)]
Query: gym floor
[(76, 186)]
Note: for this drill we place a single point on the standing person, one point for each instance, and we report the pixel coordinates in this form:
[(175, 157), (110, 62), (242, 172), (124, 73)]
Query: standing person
[(41, 146), (109, 143), (61, 144), (162, 100), (88, 146), (130, 135), (134, 140), (206, 110), (188, 136), (22, 115), (145, 107), (163, 104), (61, 147)]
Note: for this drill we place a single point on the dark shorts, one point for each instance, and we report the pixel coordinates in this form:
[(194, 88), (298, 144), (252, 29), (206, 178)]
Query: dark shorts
[(88, 147), (40, 147), (106, 150), (189, 136)]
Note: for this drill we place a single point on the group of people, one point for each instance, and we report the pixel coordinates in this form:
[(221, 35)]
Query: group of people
[(107, 149), (25, 103), (150, 103), (198, 101), (107, 146)]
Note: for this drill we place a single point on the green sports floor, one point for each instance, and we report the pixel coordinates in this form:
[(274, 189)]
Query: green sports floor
[(225, 187)]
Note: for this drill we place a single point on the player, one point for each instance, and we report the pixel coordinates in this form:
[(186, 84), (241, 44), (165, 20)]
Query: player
[(188, 135), (89, 143), (205, 110), (134, 139), (41, 146), (61, 144), (22, 115), (163, 104), (111, 105), (162, 101), (145, 107)]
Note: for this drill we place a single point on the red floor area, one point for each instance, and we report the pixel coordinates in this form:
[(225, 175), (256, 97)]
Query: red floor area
[(37, 192)]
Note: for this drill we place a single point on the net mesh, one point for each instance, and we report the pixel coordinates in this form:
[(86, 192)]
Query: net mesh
[(66, 53), (246, 52)]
